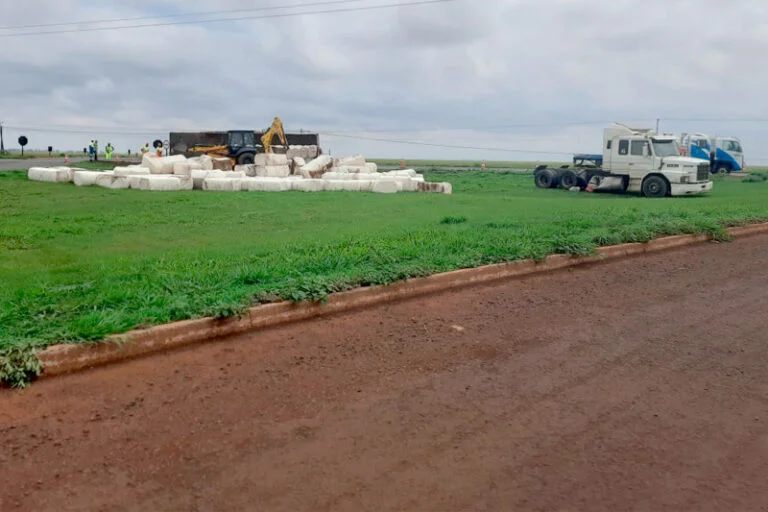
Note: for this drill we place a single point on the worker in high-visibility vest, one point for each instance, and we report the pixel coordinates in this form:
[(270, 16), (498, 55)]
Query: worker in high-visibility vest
[(108, 150), (145, 149), (91, 150), (160, 150), (96, 150)]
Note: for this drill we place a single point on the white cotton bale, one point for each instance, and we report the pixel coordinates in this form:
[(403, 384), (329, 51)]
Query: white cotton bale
[(161, 164), (112, 182), (321, 163), (134, 182), (366, 185), (223, 164), (265, 185), (271, 171), (410, 185), (352, 161), (206, 163), (199, 175), (408, 173), (335, 176), (308, 185), (160, 183), (384, 187), (222, 184), (182, 168), (127, 171), (85, 178), (265, 159), (51, 175)]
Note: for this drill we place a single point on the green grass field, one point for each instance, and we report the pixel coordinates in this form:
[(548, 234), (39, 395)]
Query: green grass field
[(78, 264)]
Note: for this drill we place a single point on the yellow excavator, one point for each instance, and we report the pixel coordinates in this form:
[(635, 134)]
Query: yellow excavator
[(241, 144)]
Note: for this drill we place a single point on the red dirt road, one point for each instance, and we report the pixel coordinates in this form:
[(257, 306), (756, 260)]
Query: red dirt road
[(634, 385)]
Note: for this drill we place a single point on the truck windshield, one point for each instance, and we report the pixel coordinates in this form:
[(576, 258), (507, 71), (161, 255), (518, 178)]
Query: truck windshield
[(662, 148), (732, 145)]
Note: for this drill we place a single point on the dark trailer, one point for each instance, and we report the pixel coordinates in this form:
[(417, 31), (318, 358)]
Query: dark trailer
[(181, 142)]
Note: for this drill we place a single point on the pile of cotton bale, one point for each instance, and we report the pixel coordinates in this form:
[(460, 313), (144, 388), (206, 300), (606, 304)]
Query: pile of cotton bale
[(269, 173), (267, 165)]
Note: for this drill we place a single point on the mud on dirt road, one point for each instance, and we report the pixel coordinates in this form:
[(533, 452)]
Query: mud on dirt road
[(634, 385)]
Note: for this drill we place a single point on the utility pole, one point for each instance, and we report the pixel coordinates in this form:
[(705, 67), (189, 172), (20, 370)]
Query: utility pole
[(658, 122), (2, 142)]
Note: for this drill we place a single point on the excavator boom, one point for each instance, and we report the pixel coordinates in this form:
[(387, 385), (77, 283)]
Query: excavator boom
[(275, 129)]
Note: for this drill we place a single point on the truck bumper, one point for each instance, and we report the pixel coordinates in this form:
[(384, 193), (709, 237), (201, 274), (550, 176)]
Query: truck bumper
[(690, 189)]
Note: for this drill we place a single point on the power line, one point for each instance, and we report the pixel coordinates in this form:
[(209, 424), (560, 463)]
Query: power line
[(238, 18), (454, 146), (179, 15)]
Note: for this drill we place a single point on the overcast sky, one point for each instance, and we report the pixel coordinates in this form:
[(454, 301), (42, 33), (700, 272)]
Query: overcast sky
[(507, 74)]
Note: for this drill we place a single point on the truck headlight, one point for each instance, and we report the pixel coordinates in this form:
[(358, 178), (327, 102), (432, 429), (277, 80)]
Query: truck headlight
[(683, 179)]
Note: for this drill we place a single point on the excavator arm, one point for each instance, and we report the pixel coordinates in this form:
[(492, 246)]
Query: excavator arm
[(275, 129)]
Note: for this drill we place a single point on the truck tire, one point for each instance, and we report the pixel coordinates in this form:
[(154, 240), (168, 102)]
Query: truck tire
[(245, 159), (568, 180), (545, 178), (655, 186), (721, 169)]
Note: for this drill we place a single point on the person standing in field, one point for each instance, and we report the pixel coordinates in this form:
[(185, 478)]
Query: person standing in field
[(96, 150), (91, 150), (108, 151), (145, 149)]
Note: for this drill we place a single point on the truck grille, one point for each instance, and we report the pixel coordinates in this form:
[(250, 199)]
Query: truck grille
[(702, 172)]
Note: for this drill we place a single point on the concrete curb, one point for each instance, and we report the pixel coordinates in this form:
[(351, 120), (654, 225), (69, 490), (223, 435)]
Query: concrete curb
[(68, 358)]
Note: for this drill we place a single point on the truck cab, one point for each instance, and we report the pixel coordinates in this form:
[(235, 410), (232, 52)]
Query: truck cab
[(651, 164), (725, 154)]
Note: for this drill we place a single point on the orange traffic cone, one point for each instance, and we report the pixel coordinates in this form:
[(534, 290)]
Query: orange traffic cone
[(402, 164), (483, 165), (66, 159)]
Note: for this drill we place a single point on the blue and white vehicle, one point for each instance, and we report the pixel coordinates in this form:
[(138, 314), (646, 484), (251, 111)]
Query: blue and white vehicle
[(725, 154)]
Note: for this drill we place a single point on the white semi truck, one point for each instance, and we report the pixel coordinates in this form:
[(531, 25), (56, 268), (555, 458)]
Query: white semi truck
[(633, 160)]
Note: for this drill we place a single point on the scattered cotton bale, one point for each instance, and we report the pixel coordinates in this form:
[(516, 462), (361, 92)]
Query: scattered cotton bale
[(333, 175), (134, 182), (351, 161), (385, 187), (297, 163), (440, 188), (308, 185), (51, 175), (86, 178), (222, 184), (131, 171), (161, 183), (265, 159), (198, 176), (269, 171), (408, 173), (222, 164), (409, 185), (113, 182), (317, 167), (185, 168), (265, 185), (366, 185), (206, 163)]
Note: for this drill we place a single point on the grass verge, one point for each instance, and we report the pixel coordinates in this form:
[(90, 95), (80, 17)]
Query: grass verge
[(79, 264)]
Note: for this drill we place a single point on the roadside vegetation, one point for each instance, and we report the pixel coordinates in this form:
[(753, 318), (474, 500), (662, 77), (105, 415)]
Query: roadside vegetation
[(79, 264)]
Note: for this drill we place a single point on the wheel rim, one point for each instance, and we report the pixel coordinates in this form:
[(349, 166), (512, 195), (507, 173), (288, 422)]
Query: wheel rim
[(654, 188)]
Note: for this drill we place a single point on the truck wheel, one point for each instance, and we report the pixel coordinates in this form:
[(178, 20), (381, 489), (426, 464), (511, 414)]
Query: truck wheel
[(568, 180), (245, 159), (655, 186), (545, 179), (721, 169)]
